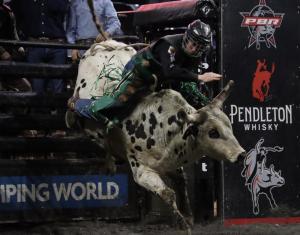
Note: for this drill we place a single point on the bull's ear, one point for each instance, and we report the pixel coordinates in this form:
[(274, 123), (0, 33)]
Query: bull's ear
[(191, 130), (222, 96)]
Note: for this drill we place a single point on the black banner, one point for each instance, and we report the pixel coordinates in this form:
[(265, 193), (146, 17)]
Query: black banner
[(261, 41)]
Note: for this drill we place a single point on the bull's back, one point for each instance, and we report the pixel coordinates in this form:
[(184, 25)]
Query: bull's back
[(101, 67)]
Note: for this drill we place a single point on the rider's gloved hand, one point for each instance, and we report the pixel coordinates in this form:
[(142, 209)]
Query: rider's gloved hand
[(209, 76)]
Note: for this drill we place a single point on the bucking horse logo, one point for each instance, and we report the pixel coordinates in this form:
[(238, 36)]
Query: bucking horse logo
[(261, 179), (261, 81)]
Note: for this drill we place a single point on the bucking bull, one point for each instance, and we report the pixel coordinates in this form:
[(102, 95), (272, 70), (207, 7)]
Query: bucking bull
[(162, 134)]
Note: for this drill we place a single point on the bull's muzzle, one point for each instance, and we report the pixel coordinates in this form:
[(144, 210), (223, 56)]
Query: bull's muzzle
[(241, 157)]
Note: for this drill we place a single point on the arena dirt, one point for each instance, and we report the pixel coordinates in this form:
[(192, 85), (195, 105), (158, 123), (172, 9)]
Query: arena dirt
[(118, 228)]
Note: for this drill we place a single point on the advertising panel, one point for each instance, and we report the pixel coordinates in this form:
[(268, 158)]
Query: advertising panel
[(41, 190), (260, 48), (70, 191)]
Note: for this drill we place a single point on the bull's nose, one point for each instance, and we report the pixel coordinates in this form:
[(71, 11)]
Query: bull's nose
[(241, 157)]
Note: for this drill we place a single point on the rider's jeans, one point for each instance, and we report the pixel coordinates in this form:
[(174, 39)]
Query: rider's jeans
[(82, 107)]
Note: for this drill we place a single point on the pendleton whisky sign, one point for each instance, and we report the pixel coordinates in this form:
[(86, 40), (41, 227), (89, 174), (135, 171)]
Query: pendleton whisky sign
[(264, 62)]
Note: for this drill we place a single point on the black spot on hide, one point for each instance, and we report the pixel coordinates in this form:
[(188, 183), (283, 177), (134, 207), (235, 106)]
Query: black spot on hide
[(161, 125), (160, 109), (130, 127), (138, 148), (169, 133), (78, 89), (132, 151), (134, 164), (84, 85), (172, 119), (176, 151), (132, 139), (140, 132), (82, 80), (153, 123), (150, 143), (143, 116), (133, 157)]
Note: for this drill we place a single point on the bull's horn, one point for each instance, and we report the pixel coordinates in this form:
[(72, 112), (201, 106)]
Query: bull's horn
[(222, 96)]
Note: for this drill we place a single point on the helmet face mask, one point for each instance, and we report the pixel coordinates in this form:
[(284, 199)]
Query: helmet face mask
[(197, 48), (196, 39)]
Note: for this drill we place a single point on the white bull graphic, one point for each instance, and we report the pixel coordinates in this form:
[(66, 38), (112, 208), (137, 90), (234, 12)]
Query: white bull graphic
[(260, 180), (162, 133)]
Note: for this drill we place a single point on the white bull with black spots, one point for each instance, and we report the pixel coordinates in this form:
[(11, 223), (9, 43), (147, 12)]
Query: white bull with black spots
[(162, 134)]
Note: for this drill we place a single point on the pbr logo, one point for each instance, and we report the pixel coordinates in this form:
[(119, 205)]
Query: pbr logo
[(260, 178), (262, 23)]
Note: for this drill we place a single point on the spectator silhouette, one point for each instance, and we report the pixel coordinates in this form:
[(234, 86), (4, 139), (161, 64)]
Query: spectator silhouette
[(82, 29), (43, 21)]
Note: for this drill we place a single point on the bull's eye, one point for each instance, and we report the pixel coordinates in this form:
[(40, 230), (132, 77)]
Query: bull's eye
[(214, 134)]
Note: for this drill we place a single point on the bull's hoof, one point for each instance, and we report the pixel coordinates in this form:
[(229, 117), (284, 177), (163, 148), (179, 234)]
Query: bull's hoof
[(183, 225), (190, 220)]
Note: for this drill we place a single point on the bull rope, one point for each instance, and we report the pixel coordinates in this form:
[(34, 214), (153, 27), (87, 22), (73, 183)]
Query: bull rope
[(96, 20)]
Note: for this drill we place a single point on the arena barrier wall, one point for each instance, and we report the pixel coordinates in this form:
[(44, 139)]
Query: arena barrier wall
[(260, 45)]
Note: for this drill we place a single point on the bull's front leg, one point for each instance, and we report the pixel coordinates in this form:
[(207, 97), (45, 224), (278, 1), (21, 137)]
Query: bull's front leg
[(179, 179), (149, 179)]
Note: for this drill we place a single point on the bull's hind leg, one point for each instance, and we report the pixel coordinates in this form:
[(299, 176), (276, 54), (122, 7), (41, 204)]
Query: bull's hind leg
[(102, 142), (150, 180)]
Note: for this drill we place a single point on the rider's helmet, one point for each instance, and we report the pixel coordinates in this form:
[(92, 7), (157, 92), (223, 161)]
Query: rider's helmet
[(199, 34)]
